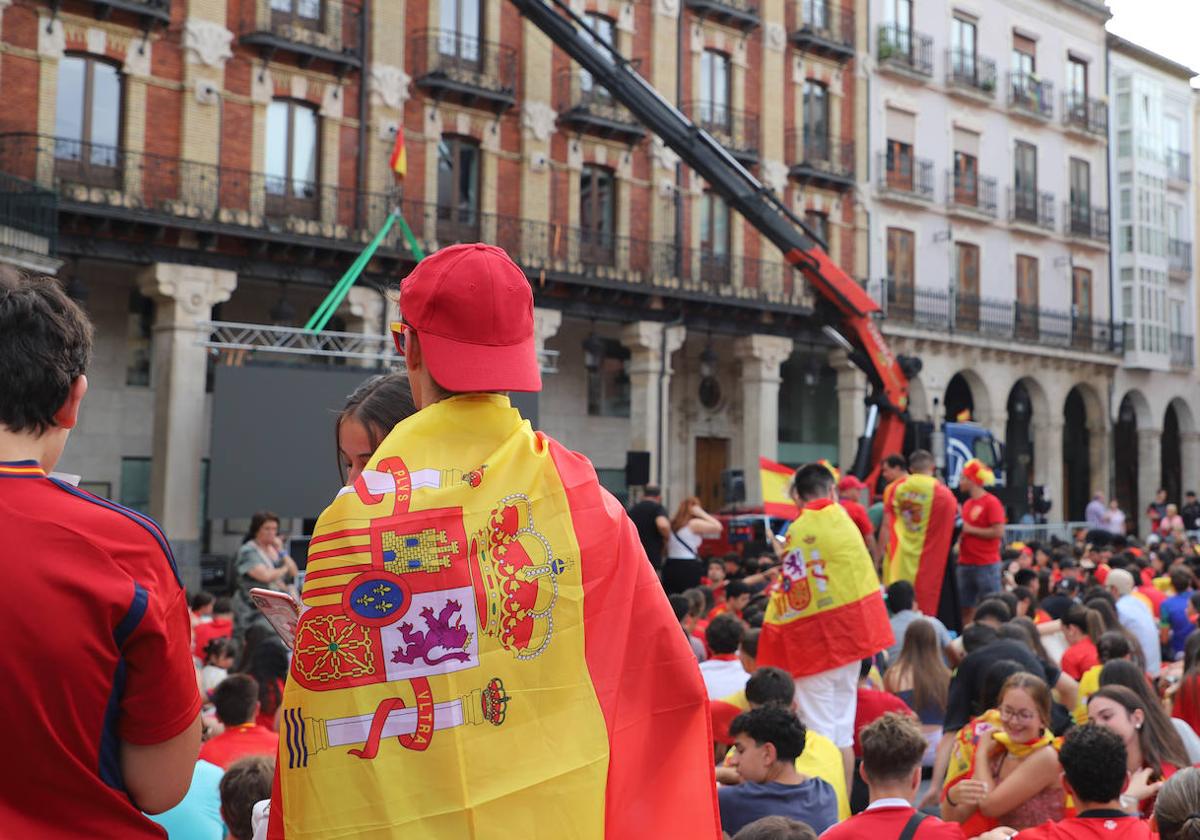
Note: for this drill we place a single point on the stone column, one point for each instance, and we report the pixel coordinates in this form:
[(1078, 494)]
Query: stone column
[(1189, 451), (852, 410), (759, 357), (184, 296), (651, 344), (1098, 457), (1149, 444)]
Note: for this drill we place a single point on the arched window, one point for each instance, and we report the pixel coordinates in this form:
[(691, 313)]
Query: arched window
[(87, 120), (293, 159)]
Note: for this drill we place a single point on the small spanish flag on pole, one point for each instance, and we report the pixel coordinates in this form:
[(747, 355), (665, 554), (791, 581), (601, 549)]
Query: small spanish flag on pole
[(399, 159), (777, 489)]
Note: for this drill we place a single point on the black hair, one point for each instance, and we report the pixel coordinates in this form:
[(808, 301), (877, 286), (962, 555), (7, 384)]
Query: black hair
[(680, 604), (223, 606), (378, 404), (993, 608), (772, 725), (1113, 645), (1093, 757), (724, 634), (769, 686), (235, 699), (812, 481), (221, 646), (1025, 577), (736, 588), (900, 596), (200, 600), (259, 519), (976, 636), (750, 643), (993, 681), (896, 461), (864, 667)]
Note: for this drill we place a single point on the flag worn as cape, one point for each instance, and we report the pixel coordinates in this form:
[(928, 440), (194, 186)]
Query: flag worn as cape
[(776, 488), (485, 653), (826, 610), (919, 513)]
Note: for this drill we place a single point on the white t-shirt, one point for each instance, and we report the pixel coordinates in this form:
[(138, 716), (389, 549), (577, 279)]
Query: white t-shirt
[(682, 544), (723, 677)]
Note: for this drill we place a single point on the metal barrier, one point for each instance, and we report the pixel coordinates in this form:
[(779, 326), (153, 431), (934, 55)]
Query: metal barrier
[(1042, 533)]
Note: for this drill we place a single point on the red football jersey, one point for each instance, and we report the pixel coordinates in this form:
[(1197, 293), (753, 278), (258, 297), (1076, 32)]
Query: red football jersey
[(97, 651), (981, 512), (238, 742)]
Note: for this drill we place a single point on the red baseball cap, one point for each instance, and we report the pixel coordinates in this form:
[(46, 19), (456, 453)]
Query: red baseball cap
[(472, 310), (850, 482)]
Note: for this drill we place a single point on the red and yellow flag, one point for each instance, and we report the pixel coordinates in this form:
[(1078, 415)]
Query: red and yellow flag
[(398, 162), (776, 488), (826, 611), (485, 653), (919, 514)]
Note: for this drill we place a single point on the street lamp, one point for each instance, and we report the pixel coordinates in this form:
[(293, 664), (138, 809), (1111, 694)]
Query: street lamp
[(708, 362), (593, 352)]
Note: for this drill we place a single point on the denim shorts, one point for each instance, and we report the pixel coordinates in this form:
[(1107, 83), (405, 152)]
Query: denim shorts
[(976, 581)]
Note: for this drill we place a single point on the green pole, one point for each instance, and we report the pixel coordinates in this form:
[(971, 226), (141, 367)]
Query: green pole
[(334, 299)]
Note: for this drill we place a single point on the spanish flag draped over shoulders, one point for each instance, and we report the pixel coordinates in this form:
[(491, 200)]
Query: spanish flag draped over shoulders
[(485, 653), (826, 611), (919, 515)]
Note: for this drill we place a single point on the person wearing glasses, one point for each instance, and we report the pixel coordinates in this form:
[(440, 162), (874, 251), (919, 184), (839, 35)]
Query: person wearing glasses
[(1014, 777)]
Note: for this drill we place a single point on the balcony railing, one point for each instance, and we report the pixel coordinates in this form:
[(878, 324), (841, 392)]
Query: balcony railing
[(586, 105), (947, 311), (909, 177), (1030, 95), (1086, 115), (971, 72), (28, 215), (1179, 255), (158, 11), (976, 194), (1179, 166), (1086, 221), (821, 158), (742, 14), (736, 130), (1031, 207), (826, 28), (467, 69), (321, 29), (903, 49), (1183, 351)]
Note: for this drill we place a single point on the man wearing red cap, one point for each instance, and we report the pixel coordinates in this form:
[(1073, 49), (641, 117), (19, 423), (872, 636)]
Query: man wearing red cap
[(485, 651), (849, 492), (982, 531)]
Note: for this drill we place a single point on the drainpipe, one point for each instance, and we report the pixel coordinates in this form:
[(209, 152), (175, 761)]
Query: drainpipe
[(1112, 217), (680, 36), (359, 208)]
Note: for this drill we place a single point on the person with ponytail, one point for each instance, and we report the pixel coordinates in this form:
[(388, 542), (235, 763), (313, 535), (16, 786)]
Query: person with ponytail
[(1010, 775), (1082, 627), (1123, 672), (1177, 810), (1153, 751)]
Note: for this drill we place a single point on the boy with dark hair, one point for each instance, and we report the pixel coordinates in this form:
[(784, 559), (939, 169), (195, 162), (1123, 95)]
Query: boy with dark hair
[(1094, 774), (99, 585), (737, 595), (776, 828), (220, 627), (202, 605), (236, 701), (900, 600), (245, 783), (994, 612), (767, 742), (1173, 615), (722, 672), (892, 748)]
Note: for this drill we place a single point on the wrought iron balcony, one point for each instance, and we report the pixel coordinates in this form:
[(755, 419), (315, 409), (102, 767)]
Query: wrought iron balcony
[(901, 49), (1030, 95), (148, 11), (740, 14), (1179, 166), (325, 30), (972, 194), (906, 177), (1082, 220), (1179, 256), (1030, 207), (820, 159), (450, 65), (1183, 350), (586, 106), (949, 312), (1087, 116), (28, 216), (970, 72), (827, 29), (736, 130)]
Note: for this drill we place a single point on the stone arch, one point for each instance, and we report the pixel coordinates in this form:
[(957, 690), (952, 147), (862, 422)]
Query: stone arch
[(1084, 449), (980, 398), (1026, 433), (1178, 422)]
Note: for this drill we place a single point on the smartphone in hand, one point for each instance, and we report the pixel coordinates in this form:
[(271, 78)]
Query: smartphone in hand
[(281, 610)]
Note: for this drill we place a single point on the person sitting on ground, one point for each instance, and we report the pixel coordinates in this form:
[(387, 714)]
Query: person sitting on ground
[(900, 598), (921, 679), (682, 608), (1177, 809), (767, 742), (246, 782), (219, 656), (1153, 753), (892, 747), (219, 626), (722, 672), (776, 828), (775, 687), (1013, 779), (236, 700), (1093, 774), (1123, 672)]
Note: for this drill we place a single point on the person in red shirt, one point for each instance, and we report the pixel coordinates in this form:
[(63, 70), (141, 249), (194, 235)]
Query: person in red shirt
[(892, 748), (979, 546), (1082, 628), (849, 496), (873, 703), (100, 702), (236, 699), (737, 596), (220, 627), (1094, 774)]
